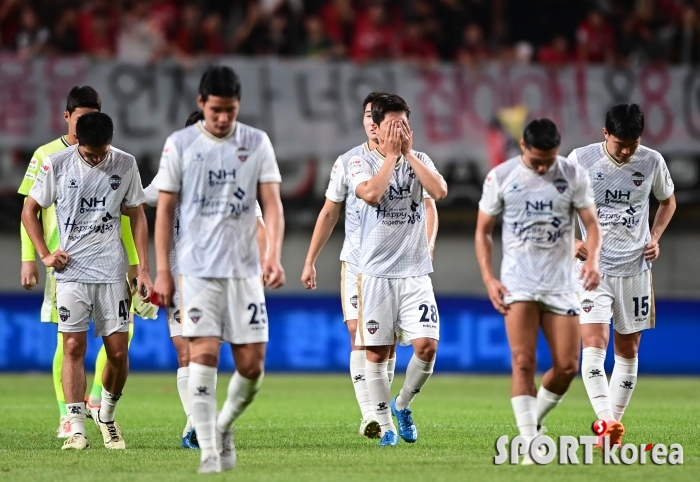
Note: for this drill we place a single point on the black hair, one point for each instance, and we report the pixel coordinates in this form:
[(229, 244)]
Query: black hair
[(541, 134), (194, 117), (84, 96), (94, 129), (625, 121), (371, 97), (388, 103), (220, 81)]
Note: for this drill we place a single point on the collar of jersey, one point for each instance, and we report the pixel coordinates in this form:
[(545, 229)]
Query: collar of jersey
[(65, 141), (91, 166), (200, 124), (382, 158), (366, 147), (612, 159)]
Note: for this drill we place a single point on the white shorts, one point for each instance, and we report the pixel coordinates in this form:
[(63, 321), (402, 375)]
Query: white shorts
[(107, 303), (348, 291), (628, 300), (396, 308), (565, 304), (48, 315), (231, 309)]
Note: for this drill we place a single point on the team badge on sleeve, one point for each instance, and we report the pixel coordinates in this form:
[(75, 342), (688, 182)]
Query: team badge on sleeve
[(637, 178), (115, 181), (561, 185)]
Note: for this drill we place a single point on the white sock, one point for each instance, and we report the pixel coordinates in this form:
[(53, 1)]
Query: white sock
[(359, 383), (378, 387), (391, 368), (596, 382), (183, 375), (546, 401), (94, 401), (109, 404), (241, 392), (417, 374), (622, 383), (525, 409), (76, 415), (202, 390)]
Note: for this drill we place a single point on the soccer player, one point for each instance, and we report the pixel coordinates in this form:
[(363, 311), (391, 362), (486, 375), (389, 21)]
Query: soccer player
[(623, 174), (189, 439), (395, 294), (340, 190), (213, 169), (537, 193), (89, 184), (81, 100)]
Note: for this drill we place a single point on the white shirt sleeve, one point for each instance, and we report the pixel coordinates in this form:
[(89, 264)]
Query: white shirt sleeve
[(662, 185), (258, 211), (583, 190), (269, 170), (337, 187), (573, 157), (169, 177), (134, 193), (491, 199), (359, 171), (151, 193), (45, 189)]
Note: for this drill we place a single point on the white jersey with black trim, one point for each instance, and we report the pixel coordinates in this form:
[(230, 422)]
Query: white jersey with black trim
[(217, 179), (88, 210), (393, 234), (538, 222), (622, 199)]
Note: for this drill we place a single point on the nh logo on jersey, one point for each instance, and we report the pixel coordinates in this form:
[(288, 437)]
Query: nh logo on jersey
[(91, 204), (63, 313), (115, 181), (538, 206), (637, 178), (587, 305), (243, 154), (561, 185), (372, 327), (398, 192), (221, 176), (195, 315), (616, 195)]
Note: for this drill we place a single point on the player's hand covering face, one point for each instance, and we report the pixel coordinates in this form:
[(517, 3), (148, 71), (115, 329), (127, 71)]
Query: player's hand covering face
[(406, 138), (390, 137)]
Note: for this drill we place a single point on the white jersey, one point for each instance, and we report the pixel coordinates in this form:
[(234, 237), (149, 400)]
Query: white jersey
[(622, 199), (88, 210), (217, 179), (340, 189), (392, 235), (538, 223)]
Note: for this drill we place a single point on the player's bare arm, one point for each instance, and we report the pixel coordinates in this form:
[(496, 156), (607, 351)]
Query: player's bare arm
[(590, 271), (326, 221), (663, 216), (263, 241), (431, 221), (581, 251), (165, 213), (372, 191), (29, 274), (58, 259), (139, 228), (431, 181), (484, 255), (273, 271)]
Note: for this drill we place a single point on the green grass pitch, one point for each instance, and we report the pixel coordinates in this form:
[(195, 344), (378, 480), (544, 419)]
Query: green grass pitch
[(304, 428)]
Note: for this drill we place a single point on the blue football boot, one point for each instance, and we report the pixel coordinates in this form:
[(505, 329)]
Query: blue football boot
[(407, 429), (389, 439), (189, 441)]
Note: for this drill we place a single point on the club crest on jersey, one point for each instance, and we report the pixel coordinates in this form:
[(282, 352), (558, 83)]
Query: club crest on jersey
[(372, 327), (115, 181), (195, 315), (243, 154), (587, 305), (353, 301), (63, 313), (561, 185), (411, 174), (176, 315), (637, 178)]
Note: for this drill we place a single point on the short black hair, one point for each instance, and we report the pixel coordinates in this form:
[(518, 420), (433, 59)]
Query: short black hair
[(194, 117), (541, 134), (84, 96), (94, 129), (625, 121), (386, 103), (220, 81), (371, 97)]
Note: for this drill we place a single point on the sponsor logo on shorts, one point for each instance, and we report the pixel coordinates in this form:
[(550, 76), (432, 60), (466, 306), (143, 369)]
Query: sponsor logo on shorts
[(115, 181), (637, 178), (63, 313), (195, 314), (561, 185), (353, 301), (587, 305), (176, 316), (243, 154), (372, 327)]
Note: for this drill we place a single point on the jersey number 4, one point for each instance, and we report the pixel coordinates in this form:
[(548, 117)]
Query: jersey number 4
[(254, 320)]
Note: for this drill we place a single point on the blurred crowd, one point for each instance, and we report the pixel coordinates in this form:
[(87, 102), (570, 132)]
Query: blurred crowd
[(551, 32)]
